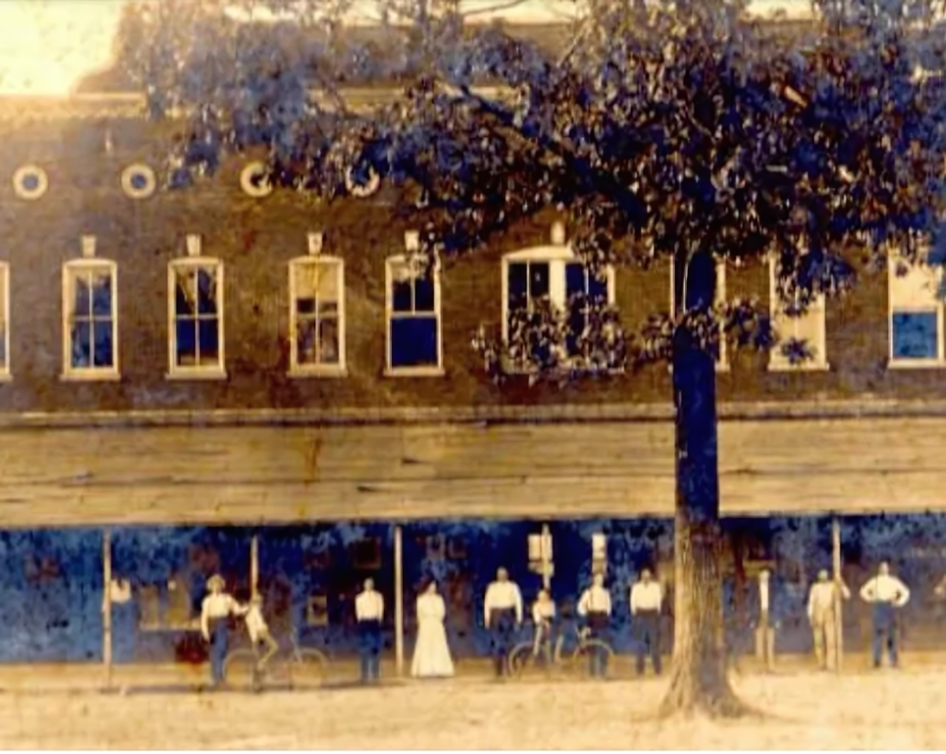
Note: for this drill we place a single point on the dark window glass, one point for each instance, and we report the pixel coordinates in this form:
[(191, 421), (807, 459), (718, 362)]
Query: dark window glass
[(414, 342), (186, 341), (518, 279), (402, 295), (184, 294), (81, 345), (915, 335), (574, 280), (207, 291), (83, 297), (102, 331), (424, 294), (538, 279), (102, 295), (208, 339)]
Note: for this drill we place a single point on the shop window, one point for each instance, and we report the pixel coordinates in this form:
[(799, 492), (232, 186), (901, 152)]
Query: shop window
[(316, 614), (318, 560), (436, 547), (456, 548), (149, 605)]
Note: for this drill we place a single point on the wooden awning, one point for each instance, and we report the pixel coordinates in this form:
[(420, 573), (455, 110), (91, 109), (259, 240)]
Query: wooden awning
[(245, 475)]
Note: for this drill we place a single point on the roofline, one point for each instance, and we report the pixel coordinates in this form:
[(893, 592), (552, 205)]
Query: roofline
[(865, 407)]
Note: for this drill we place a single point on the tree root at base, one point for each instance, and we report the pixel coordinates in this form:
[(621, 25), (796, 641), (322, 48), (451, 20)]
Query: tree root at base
[(717, 701)]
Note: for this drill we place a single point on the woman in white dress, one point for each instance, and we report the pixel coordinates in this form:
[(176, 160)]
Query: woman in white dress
[(431, 653)]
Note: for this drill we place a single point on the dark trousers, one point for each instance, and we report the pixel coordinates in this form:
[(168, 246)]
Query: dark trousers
[(369, 634), (648, 639), (598, 657), (885, 625), (218, 649), (502, 624)]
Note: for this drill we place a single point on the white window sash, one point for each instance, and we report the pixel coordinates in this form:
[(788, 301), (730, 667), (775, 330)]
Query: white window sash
[(71, 273), (196, 371), (932, 303), (791, 328), (431, 370), (296, 266)]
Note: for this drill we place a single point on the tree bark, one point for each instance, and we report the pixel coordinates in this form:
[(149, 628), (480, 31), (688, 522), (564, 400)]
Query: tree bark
[(699, 681)]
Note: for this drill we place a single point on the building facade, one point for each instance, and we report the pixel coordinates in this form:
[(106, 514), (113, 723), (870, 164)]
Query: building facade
[(185, 373)]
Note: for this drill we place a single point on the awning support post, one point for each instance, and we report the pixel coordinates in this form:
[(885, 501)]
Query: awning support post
[(107, 605), (398, 601), (254, 565), (838, 602)]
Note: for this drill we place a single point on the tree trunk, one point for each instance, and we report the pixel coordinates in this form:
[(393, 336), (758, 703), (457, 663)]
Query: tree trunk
[(699, 681)]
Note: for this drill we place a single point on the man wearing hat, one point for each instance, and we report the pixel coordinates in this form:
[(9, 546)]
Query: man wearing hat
[(216, 608), (824, 617)]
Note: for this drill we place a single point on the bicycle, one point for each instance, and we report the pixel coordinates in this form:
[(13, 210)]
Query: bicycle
[(288, 666), (524, 654)]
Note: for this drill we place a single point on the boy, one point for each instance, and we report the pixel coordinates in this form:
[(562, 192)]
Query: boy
[(259, 632), (543, 615)]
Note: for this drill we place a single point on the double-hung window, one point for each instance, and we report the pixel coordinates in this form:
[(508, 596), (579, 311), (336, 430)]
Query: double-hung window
[(722, 360), (915, 313), (317, 315), (414, 332), (195, 318), (553, 275), (809, 328), (90, 319)]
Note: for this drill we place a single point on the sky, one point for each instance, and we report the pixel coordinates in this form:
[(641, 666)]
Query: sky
[(47, 46)]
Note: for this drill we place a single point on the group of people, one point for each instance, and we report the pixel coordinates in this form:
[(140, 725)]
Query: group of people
[(503, 616)]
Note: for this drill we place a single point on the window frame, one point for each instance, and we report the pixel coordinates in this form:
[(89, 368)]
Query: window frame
[(5, 373), (197, 372), (389, 314), (722, 363), (70, 373), (780, 363), (558, 258), (316, 370), (936, 304)]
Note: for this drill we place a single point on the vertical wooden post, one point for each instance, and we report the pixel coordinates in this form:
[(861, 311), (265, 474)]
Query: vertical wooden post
[(107, 605), (398, 601), (254, 565), (838, 603), (546, 562)]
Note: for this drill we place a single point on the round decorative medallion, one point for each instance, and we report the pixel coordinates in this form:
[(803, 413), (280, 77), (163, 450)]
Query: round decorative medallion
[(138, 181), (254, 181), (365, 189), (30, 182)]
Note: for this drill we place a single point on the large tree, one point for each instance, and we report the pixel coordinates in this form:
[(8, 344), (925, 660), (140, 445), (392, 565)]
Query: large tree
[(664, 130)]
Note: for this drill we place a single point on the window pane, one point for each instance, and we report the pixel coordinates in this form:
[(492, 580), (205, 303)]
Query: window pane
[(424, 294), (207, 291), (327, 273), (810, 329), (401, 295), (598, 288), (574, 279), (306, 352), (306, 280), (102, 330), (186, 334), (538, 279), (328, 341), (915, 335), (81, 334), (102, 293), (208, 342), (82, 299), (305, 307), (414, 342), (518, 285), (184, 295)]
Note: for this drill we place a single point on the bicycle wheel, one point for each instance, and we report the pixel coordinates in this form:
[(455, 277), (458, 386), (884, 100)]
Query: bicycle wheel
[(581, 658), (239, 666), (519, 659), (306, 667)]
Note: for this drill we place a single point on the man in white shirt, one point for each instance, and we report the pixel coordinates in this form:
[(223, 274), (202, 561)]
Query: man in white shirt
[(887, 594), (765, 611), (215, 611), (646, 602), (595, 607), (502, 614), (824, 616), (369, 612)]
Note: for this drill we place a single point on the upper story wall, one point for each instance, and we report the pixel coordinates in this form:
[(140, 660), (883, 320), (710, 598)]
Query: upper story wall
[(256, 239)]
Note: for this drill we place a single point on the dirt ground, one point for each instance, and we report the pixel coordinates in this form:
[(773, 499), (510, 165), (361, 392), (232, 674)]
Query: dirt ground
[(886, 710)]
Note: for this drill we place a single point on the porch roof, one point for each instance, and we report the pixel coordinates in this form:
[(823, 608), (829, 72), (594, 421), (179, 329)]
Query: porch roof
[(246, 475)]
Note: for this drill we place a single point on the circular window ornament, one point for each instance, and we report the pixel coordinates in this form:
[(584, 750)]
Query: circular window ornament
[(254, 180), (362, 190), (30, 182), (138, 181)]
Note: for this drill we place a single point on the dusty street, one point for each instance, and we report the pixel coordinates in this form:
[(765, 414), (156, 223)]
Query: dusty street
[(888, 710)]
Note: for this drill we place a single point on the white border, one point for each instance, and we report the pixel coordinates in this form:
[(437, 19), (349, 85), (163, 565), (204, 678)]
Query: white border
[(316, 370), (250, 170), (214, 372), (88, 374), (421, 371), (30, 194), (128, 175)]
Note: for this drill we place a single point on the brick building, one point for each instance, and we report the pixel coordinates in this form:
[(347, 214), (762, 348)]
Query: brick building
[(191, 372)]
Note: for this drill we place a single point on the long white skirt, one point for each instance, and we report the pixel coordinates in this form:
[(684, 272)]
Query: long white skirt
[(431, 653)]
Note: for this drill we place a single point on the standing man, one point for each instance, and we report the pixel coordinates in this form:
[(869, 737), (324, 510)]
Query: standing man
[(886, 593), (595, 607), (766, 606), (215, 611), (502, 614), (646, 601), (369, 612), (824, 617)]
